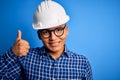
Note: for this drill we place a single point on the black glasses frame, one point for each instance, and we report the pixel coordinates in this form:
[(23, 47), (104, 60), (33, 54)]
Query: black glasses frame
[(50, 32)]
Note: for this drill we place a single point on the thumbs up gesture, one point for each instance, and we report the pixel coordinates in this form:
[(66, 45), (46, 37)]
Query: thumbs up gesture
[(20, 47)]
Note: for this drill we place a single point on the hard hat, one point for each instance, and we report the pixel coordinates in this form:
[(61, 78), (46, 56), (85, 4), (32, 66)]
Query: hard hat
[(49, 14)]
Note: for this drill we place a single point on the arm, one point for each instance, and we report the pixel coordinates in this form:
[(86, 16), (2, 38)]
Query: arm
[(88, 71), (10, 67)]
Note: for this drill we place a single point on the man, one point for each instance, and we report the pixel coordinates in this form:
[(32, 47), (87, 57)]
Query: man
[(53, 61)]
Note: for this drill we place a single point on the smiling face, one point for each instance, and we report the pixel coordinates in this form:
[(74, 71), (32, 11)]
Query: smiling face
[(54, 43)]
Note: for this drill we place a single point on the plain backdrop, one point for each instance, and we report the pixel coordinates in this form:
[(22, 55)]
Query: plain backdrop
[(94, 31)]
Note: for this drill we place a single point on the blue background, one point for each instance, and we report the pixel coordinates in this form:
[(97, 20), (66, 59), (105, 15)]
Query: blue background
[(94, 31)]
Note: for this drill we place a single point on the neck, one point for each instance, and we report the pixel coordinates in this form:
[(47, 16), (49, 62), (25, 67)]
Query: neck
[(57, 54)]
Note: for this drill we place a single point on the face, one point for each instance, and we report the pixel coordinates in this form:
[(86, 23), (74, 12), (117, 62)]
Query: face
[(54, 38)]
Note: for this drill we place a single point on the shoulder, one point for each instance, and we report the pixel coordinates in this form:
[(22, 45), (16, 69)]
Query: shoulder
[(77, 56), (74, 55)]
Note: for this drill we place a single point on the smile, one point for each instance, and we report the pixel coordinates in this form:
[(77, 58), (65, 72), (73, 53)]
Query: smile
[(54, 44)]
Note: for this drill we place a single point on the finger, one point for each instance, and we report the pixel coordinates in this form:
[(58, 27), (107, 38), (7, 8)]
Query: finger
[(19, 35), (27, 47), (22, 42), (23, 52)]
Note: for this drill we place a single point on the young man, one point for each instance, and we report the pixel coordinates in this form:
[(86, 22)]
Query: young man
[(53, 61)]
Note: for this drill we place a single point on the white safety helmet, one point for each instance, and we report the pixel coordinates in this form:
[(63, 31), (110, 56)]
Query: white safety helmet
[(49, 14)]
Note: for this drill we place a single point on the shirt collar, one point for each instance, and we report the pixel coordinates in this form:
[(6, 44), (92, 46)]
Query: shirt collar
[(67, 52)]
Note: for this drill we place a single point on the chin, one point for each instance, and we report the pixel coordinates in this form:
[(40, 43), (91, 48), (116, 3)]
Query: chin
[(55, 49)]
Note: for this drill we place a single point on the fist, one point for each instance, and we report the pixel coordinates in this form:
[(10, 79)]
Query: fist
[(20, 47)]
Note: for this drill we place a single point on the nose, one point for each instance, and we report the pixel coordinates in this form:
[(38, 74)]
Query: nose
[(53, 36)]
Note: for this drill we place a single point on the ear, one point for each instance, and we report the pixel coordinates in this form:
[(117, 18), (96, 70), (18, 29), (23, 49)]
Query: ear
[(67, 30), (39, 36)]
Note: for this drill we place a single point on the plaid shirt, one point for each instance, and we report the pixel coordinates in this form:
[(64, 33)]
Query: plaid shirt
[(39, 65)]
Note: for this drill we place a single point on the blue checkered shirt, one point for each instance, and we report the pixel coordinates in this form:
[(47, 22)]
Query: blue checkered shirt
[(39, 65)]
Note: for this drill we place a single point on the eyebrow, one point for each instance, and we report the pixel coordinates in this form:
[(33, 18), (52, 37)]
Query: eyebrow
[(60, 26)]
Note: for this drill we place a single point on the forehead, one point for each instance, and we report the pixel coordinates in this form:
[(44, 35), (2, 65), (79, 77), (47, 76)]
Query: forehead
[(54, 27)]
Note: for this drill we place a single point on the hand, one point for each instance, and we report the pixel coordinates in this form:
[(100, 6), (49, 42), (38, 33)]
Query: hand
[(20, 47)]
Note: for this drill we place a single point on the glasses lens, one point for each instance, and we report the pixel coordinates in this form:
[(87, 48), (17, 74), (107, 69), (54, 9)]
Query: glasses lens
[(45, 33), (59, 31)]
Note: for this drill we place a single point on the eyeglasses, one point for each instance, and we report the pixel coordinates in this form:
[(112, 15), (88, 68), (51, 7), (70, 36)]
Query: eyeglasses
[(46, 33)]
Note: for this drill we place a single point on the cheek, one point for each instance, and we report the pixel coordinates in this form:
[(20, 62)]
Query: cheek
[(45, 41), (64, 35), (63, 39)]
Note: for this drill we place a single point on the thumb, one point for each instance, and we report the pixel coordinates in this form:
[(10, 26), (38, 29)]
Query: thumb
[(19, 35)]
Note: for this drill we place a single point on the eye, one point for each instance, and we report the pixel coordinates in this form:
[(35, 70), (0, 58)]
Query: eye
[(58, 29), (44, 32)]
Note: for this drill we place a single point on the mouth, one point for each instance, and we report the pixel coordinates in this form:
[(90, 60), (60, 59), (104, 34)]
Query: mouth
[(54, 44)]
